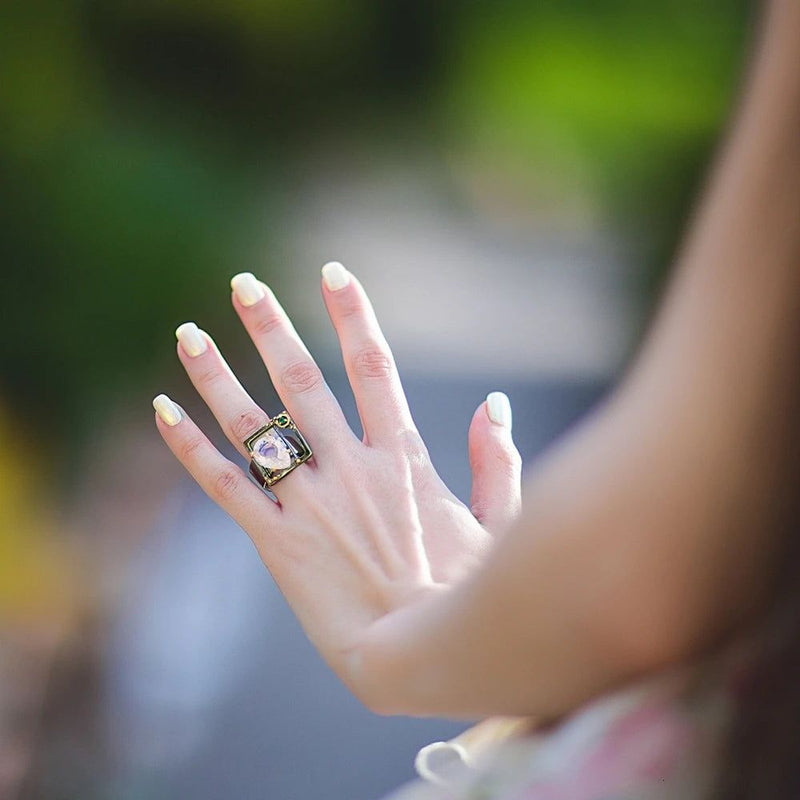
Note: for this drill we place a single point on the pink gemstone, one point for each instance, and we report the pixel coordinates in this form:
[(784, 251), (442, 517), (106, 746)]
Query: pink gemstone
[(271, 452)]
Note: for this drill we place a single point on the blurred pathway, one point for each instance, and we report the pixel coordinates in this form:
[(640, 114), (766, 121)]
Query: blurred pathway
[(456, 293)]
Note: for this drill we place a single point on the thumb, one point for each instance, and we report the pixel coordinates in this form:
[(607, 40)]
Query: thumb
[(496, 464)]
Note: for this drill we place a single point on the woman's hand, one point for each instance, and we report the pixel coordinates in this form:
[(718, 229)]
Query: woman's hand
[(365, 527)]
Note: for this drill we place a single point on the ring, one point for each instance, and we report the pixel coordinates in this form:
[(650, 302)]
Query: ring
[(276, 449)]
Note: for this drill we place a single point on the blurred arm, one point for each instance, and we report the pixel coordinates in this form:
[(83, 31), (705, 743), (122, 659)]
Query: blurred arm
[(651, 531)]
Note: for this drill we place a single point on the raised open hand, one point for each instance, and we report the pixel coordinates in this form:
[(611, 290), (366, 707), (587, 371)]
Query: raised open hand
[(364, 527)]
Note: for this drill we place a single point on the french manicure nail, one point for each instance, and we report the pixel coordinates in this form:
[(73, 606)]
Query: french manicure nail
[(335, 276), (192, 340), (247, 289), (498, 407), (168, 412)]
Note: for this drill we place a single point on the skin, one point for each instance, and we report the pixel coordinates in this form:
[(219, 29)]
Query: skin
[(645, 538), (365, 526)]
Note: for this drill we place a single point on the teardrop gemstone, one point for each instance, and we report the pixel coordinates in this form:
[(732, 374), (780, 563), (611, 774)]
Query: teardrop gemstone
[(271, 452)]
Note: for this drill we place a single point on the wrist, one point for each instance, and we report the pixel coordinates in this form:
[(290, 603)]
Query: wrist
[(398, 667)]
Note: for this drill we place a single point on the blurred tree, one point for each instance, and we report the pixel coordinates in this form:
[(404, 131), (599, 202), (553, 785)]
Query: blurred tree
[(617, 99), (142, 141)]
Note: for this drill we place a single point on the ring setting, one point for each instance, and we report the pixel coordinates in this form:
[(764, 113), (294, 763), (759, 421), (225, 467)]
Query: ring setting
[(276, 449)]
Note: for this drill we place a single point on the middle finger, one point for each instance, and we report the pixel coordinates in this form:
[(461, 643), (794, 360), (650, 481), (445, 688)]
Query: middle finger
[(294, 373)]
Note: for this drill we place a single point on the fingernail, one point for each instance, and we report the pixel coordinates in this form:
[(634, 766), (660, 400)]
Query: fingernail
[(335, 276), (247, 289), (168, 412), (498, 407), (192, 341)]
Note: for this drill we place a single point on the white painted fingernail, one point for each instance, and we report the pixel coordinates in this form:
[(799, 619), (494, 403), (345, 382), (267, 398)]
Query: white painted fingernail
[(498, 406), (335, 276), (192, 340), (168, 412), (247, 288)]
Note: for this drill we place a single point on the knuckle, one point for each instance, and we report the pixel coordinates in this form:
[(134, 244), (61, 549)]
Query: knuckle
[(413, 447), (189, 448), (410, 439), (350, 305), (508, 457), (267, 324), (244, 423), (372, 362), (208, 376), (226, 484), (300, 377)]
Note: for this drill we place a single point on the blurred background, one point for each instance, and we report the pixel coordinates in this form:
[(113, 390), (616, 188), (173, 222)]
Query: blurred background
[(508, 179)]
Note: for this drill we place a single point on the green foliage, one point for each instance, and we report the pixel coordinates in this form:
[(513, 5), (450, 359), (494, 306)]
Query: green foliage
[(140, 139), (618, 99)]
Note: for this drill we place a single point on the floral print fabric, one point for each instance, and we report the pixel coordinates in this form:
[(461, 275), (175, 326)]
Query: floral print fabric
[(661, 739)]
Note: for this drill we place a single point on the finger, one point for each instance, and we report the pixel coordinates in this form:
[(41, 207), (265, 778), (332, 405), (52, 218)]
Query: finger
[(237, 412), (224, 482), (496, 464), (379, 395), (294, 373)]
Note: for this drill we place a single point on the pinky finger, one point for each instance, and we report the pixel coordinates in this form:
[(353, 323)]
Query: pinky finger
[(224, 482)]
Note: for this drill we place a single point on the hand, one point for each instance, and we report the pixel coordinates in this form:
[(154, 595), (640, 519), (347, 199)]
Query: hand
[(364, 527)]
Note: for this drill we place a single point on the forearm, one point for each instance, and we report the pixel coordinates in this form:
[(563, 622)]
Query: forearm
[(647, 534)]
